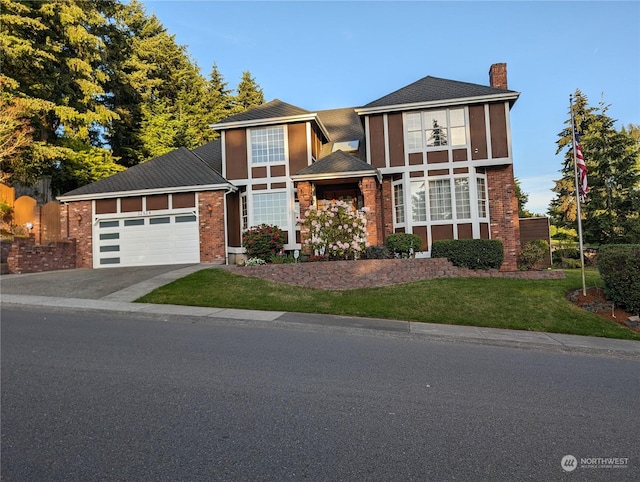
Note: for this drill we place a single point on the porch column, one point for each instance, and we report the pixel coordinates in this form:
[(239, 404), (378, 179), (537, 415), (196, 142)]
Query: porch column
[(305, 199), (373, 200)]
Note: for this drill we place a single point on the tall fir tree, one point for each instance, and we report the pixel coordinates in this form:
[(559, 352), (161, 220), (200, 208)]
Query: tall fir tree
[(610, 213), (53, 62), (249, 93), (95, 83)]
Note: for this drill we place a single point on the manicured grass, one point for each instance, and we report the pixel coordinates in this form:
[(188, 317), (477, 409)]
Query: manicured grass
[(534, 305)]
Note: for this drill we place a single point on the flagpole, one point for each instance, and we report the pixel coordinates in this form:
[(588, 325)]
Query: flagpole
[(577, 189)]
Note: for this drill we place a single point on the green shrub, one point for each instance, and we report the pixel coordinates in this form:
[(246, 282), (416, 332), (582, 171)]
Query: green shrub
[(533, 253), (263, 241), (565, 257), (470, 253), (619, 267), (6, 212), (377, 252), (403, 245), (283, 258)]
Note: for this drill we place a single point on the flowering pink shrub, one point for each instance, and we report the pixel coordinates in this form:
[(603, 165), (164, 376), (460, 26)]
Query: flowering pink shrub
[(336, 230), (263, 241)]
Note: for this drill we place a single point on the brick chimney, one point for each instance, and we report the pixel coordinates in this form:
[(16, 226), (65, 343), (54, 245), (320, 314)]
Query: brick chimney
[(498, 76)]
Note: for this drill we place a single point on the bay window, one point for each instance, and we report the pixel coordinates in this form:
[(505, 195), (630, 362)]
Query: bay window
[(440, 199), (398, 203), (418, 201), (482, 197), (463, 199)]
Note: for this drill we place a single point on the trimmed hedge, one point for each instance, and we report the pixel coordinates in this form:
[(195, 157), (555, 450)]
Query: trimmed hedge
[(619, 267), (403, 245), (470, 253)]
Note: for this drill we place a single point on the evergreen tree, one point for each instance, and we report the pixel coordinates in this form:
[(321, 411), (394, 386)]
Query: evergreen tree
[(610, 213), (79, 76), (53, 66), (522, 198), (249, 94)]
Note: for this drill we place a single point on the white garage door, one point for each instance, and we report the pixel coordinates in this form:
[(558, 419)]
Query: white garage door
[(146, 240)]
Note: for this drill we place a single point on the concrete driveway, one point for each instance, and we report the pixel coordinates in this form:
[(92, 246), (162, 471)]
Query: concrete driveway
[(115, 284)]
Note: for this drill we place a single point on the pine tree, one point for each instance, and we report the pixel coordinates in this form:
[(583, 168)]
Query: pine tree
[(610, 213)]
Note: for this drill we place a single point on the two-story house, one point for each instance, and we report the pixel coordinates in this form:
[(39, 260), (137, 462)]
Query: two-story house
[(433, 158)]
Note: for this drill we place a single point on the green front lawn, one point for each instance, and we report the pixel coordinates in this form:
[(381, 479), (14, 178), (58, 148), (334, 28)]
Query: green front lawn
[(534, 305)]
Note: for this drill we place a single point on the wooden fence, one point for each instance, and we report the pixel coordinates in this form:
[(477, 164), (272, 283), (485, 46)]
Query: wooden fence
[(29, 217)]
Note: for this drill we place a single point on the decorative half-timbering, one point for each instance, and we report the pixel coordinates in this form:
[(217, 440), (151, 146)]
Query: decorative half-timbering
[(433, 158)]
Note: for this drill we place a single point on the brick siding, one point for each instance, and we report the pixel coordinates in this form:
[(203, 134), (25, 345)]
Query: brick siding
[(76, 223), (503, 208), (212, 228), (27, 257)]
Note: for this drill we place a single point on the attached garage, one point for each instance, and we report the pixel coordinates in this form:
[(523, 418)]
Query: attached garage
[(169, 210), (146, 240)]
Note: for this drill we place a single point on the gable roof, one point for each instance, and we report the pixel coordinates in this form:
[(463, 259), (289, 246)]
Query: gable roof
[(211, 153), (436, 90), (337, 164), (270, 113), (177, 170), (275, 108)]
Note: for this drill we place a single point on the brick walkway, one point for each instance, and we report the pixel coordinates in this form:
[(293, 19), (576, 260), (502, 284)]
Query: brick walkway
[(346, 275)]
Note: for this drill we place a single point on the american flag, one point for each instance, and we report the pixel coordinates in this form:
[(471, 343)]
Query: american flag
[(582, 166)]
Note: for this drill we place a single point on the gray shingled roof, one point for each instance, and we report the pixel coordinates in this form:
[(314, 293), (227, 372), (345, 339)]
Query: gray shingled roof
[(342, 125), (211, 153), (432, 89), (175, 169), (337, 163), (275, 108)]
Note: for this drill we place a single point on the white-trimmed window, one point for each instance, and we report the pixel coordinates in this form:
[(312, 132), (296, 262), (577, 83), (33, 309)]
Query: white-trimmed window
[(413, 126), (267, 145), (398, 203), (435, 128), (270, 208), (440, 199), (463, 198), (418, 202), (244, 211), (482, 197)]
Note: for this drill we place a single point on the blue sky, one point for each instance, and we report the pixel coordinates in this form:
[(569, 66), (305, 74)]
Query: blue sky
[(327, 54)]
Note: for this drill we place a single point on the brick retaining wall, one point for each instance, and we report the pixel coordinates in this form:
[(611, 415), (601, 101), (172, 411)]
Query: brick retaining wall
[(345, 275), (27, 257)]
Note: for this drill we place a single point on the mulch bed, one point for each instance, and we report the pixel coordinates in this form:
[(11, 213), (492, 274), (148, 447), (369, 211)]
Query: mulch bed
[(596, 302)]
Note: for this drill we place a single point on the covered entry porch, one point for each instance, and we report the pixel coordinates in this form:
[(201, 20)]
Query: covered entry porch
[(343, 177)]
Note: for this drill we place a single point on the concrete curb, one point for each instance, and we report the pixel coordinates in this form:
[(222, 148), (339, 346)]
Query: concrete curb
[(583, 344)]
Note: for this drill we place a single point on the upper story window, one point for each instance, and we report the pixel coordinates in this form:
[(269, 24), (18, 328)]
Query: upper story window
[(435, 128), (267, 145)]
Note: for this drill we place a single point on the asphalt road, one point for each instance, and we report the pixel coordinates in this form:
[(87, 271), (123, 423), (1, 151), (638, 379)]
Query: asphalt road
[(91, 396)]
